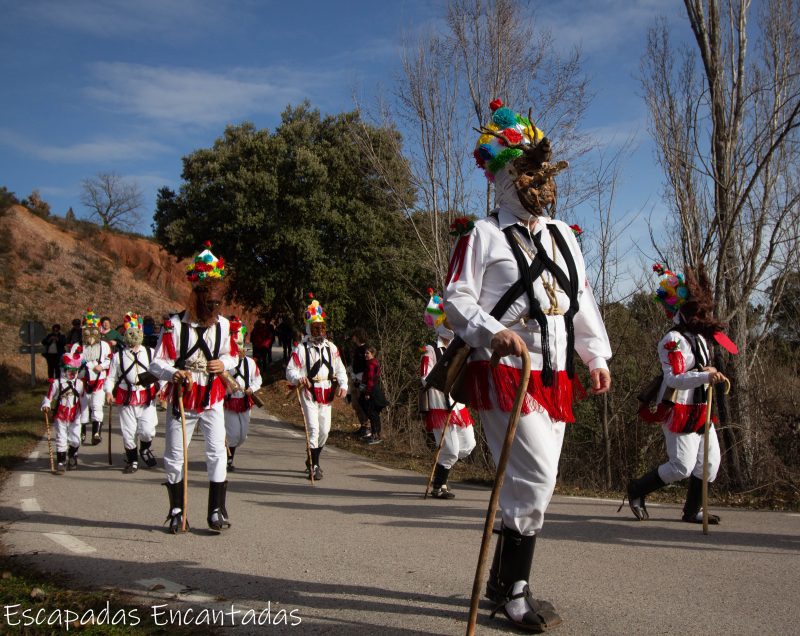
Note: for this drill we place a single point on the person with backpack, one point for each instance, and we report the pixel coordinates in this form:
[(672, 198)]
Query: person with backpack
[(517, 283), (133, 389), (459, 440), (194, 348), (681, 402), (313, 365), (238, 404)]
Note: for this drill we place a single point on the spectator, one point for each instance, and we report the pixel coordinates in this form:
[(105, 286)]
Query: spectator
[(359, 363), (285, 333), (262, 338), (373, 401), (75, 335), (54, 345), (109, 334), (149, 330)]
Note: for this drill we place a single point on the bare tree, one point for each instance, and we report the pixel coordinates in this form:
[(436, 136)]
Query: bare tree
[(112, 201), (725, 121)]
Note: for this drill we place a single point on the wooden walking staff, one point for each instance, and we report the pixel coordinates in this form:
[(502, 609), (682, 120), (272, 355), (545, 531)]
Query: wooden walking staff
[(110, 408), (706, 435), (308, 440), (49, 442), (439, 450), (513, 421), (185, 458)]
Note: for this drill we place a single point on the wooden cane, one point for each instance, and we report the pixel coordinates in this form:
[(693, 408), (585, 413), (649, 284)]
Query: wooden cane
[(234, 387), (439, 450), (185, 460), (308, 440), (706, 436), (49, 442), (511, 431), (110, 409)]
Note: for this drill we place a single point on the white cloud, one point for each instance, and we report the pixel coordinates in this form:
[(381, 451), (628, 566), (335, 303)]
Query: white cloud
[(176, 95), (616, 134), (97, 150), (114, 18)]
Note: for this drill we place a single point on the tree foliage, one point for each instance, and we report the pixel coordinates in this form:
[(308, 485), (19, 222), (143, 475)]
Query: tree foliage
[(296, 210)]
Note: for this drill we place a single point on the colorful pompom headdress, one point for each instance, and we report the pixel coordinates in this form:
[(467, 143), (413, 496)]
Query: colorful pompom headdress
[(132, 332), (131, 321), (504, 139), (314, 311), (205, 266), (435, 317), (90, 319), (672, 290), (72, 360), (238, 331)]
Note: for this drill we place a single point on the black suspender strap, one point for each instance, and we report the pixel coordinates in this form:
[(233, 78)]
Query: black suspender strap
[(439, 352), (186, 352), (311, 372)]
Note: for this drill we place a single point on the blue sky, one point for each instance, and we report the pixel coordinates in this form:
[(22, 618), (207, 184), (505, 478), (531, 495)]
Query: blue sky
[(131, 87)]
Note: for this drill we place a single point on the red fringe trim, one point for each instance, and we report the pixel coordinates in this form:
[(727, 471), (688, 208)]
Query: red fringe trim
[(234, 347), (677, 362), (683, 418), (193, 400), (137, 398), (324, 396), (555, 400), (167, 351), (66, 413), (457, 261), (435, 419), (238, 404)]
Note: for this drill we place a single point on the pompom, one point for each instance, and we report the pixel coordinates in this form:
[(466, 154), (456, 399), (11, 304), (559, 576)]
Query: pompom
[(495, 104), (207, 244), (504, 117)]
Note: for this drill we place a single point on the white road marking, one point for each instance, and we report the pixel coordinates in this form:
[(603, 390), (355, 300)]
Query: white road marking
[(26, 480), (388, 470), (794, 514), (29, 505), (70, 543)]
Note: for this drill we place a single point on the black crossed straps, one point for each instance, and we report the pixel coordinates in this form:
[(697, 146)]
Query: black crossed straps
[(64, 392), (200, 343), (528, 273), (439, 352), (124, 378), (242, 370), (311, 371), (700, 393)]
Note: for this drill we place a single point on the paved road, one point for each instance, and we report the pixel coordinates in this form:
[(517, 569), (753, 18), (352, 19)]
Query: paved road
[(361, 552)]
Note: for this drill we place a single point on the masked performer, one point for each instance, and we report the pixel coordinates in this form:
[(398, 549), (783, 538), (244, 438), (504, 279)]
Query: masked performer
[(517, 282), (96, 362), (312, 365), (66, 393), (680, 406), (460, 438), (193, 349), (238, 404), (133, 389)]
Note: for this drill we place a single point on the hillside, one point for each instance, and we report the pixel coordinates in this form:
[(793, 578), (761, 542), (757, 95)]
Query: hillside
[(52, 274)]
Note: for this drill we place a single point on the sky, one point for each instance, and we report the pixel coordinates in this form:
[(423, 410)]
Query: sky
[(98, 86)]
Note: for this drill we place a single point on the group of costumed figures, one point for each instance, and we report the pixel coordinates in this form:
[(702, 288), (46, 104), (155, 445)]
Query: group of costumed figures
[(516, 298)]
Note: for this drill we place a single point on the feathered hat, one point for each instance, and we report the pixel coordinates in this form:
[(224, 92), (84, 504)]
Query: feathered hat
[(314, 313), (504, 138), (205, 266), (435, 317), (672, 290)]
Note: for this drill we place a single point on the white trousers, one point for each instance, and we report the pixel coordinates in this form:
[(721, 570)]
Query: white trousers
[(318, 420), (236, 427), (212, 424), (532, 468), (66, 434), (137, 420), (685, 452), (92, 406), (458, 443)]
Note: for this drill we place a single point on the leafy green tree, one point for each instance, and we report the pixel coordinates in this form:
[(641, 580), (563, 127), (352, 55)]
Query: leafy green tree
[(296, 210)]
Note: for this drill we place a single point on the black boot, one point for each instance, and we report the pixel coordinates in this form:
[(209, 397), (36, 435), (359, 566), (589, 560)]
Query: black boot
[(692, 511), (83, 432), (175, 515), (318, 474), (146, 454), (61, 462), (637, 489), (512, 562), (96, 433), (439, 488), (217, 513), (72, 460), (232, 451), (131, 462)]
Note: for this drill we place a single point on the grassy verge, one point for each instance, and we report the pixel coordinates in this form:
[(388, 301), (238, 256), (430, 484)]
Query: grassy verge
[(46, 597)]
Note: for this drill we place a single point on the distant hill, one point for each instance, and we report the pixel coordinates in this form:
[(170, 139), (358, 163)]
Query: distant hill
[(52, 274)]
